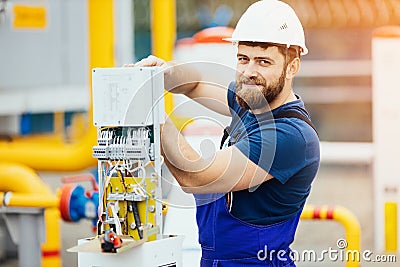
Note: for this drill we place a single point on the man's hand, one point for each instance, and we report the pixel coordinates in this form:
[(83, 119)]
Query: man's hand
[(167, 67), (150, 61)]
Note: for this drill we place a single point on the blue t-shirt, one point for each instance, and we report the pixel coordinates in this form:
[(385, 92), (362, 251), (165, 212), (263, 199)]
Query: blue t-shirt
[(287, 148)]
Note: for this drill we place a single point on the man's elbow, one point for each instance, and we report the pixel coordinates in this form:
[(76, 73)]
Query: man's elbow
[(198, 190), (189, 190), (189, 187), (186, 184)]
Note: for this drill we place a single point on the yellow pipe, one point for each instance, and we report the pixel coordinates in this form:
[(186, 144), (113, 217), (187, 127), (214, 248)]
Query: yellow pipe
[(50, 156), (352, 230), (349, 222), (19, 178), (101, 34), (51, 254), (25, 189), (12, 199), (47, 155), (163, 33), (58, 124), (38, 138), (391, 226)]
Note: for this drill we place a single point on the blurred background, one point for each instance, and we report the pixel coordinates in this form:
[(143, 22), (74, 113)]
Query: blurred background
[(48, 47)]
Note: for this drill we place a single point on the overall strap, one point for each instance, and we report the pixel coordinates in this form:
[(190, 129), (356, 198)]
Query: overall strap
[(297, 115), (283, 114), (228, 129)]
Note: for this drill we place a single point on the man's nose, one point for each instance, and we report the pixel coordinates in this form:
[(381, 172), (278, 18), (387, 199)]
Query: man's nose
[(250, 70)]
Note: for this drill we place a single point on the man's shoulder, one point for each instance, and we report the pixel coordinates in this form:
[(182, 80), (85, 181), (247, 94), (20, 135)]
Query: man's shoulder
[(294, 114)]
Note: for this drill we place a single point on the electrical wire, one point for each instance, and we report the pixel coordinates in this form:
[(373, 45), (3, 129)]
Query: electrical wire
[(121, 165), (114, 216)]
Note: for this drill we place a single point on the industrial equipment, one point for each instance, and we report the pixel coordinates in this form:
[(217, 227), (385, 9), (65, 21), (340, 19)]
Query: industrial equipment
[(128, 109), (76, 202)]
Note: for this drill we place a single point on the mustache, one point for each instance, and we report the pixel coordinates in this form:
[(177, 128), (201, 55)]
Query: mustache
[(252, 80)]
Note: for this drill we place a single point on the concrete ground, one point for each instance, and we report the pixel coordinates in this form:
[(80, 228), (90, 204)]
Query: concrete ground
[(348, 186)]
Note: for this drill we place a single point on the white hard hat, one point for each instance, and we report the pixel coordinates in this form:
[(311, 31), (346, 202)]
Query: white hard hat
[(270, 21)]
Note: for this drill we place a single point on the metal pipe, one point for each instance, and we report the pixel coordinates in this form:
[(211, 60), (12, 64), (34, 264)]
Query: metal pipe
[(163, 27), (51, 254), (19, 178), (29, 252), (12, 199), (59, 122), (20, 186), (163, 34), (50, 156), (349, 222)]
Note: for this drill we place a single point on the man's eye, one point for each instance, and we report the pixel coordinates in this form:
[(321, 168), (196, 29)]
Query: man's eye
[(264, 62), (242, 59)]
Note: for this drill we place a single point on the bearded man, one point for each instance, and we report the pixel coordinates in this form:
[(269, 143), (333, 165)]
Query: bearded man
[(250, 194)]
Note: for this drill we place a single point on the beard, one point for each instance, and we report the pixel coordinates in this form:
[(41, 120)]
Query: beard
[(256, 98)]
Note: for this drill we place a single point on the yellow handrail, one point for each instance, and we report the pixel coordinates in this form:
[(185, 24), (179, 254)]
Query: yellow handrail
[(20, 186), (349, 222)]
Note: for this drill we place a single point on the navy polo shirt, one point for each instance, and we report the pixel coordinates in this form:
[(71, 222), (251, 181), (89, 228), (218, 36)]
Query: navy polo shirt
[(287, 148)]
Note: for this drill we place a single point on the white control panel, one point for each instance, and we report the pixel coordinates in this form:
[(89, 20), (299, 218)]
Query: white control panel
[(127, 96)]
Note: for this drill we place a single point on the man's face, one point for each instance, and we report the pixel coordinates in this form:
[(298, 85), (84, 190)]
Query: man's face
[(261, 76)]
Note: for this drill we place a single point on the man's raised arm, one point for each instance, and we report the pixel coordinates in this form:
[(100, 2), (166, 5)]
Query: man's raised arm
[(204, 82)]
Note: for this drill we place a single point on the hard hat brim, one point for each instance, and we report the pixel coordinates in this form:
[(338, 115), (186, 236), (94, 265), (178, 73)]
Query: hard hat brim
[(303, 50)]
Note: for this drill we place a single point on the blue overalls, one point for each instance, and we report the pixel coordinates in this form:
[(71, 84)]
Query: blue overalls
[(227, 241)]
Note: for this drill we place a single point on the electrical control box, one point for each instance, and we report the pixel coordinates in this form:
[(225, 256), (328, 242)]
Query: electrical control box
[(127, 96), (128, 110)]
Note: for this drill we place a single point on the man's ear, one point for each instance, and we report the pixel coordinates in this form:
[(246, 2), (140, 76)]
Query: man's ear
[(293, 68)]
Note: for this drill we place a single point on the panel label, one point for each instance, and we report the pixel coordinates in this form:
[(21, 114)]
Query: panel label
[(29, 17)]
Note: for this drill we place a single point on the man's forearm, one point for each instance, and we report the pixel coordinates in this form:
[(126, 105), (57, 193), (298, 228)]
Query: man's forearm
[(228, 170), (182, 160)]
